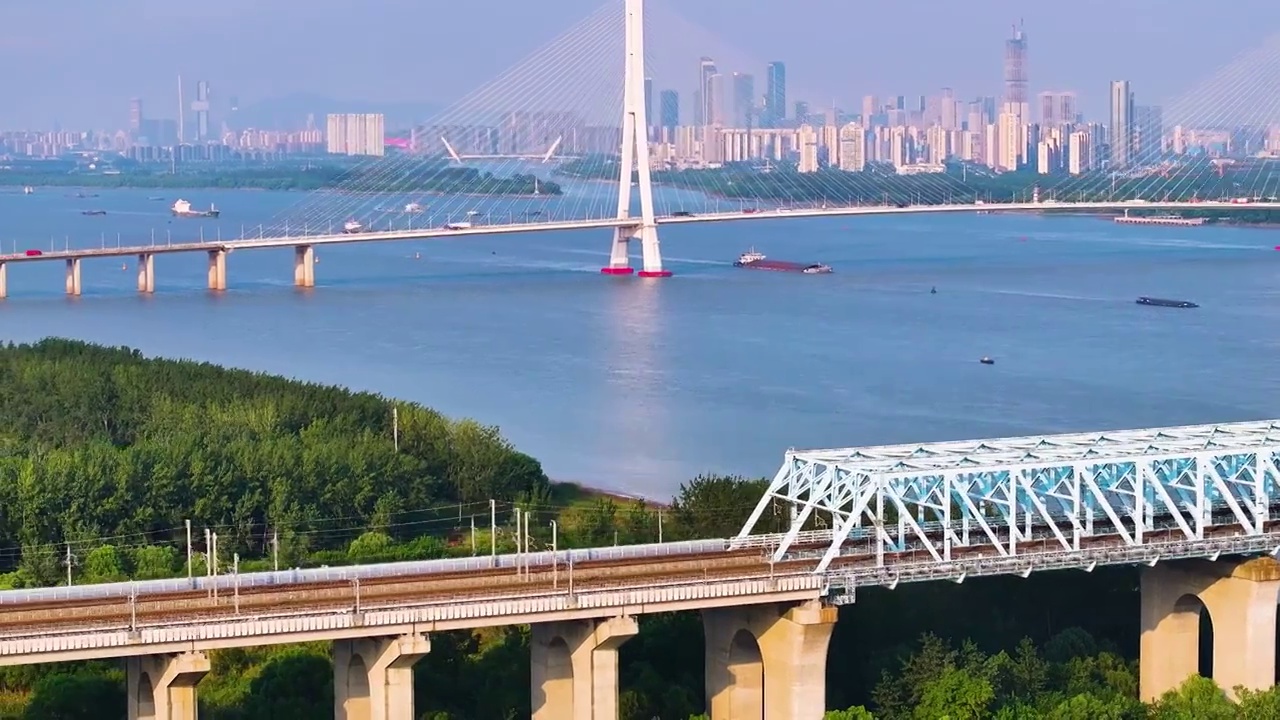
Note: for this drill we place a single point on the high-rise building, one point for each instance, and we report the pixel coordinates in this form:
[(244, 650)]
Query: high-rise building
[(715, 100), (775, 94), (744, 100), (1148, 133), (802, 111), (807, 138), (669, 108), (948, 110), (1015, 74), (200, 106), (1121, 127), (1079, 156), (135, 117), (870, 108), (853, 148), (1057, 108), (356, 134), (702, 110)]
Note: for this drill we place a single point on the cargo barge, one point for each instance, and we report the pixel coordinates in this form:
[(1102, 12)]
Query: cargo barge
[(1162, 302), (758, 261), (1159, 220)]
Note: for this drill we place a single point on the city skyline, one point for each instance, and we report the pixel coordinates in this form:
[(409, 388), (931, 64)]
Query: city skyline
[(964, 54)]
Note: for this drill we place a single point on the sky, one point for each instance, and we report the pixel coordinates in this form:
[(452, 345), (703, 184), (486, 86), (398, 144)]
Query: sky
[(78, 62)]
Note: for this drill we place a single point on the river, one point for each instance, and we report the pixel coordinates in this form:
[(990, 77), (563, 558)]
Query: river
[(638, 385)]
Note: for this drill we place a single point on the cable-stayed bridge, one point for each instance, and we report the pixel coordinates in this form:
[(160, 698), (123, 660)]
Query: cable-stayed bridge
[(584, 100)]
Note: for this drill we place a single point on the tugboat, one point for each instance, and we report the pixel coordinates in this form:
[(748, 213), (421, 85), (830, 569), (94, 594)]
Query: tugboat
[(182, 208), (754, 260)]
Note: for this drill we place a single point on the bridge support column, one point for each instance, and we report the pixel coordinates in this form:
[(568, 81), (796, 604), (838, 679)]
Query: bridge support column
[(73, 276), (1240, 598), (373, 677), (163, 687), (4, 281), (575, 668), (217, 269), (146, 273), (304, 266), (767, 662)]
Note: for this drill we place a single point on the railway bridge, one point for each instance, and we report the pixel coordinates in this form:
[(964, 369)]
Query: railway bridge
[(1190, 506)]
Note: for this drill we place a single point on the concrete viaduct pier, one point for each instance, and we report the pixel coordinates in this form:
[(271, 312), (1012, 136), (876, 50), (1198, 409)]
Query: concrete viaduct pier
[(1241, 599)]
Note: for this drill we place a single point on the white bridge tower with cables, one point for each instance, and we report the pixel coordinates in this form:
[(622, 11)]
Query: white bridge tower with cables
[(635, 157)]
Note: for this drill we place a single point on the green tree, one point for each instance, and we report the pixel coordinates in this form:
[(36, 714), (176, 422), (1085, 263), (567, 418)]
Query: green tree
[(955, 695), (291, 686), (104, 564), (1198, 698), (77, 696)]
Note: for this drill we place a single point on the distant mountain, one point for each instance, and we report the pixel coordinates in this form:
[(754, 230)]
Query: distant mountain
[(290, 112)]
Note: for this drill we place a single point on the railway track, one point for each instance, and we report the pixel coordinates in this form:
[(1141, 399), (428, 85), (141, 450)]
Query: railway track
[(387, 592)]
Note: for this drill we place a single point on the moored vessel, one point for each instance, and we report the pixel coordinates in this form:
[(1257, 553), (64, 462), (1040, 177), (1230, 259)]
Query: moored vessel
[(755, 260), (1159, 220), (182, 208)]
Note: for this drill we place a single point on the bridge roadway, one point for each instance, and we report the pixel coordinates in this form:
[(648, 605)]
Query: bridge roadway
[(63, 623), (294, 241)]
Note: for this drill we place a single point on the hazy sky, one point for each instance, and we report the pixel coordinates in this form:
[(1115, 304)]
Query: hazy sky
[(79, 61)]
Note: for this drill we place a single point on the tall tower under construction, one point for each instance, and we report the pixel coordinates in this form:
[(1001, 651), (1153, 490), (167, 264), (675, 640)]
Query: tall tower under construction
[(1015, 74)]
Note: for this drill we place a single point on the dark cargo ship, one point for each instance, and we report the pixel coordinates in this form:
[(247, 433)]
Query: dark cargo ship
[(1161, 302), (757, 261)]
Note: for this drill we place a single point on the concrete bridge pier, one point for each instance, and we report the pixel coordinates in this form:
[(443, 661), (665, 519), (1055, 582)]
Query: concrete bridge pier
[(218, 270), (575, 668), (1241, 599), (4, 281), (163, 687), (767, 662), (304, 266), (373, 677), (146, 273), (73, 276)]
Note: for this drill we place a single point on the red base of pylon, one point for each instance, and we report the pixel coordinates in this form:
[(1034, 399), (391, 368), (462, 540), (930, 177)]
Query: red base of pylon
[(655, 273), (618, 271)]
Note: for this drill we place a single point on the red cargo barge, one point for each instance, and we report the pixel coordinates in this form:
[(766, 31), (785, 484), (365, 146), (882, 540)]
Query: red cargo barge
[(757, 261)]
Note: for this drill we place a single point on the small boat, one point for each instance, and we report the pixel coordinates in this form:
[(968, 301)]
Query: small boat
[(464, 225), (93, 212), (987, 361), (352, 226), (413, 208), (28, 190)]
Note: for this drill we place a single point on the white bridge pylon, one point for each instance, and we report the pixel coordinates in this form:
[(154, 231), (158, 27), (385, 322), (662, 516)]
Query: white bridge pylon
[(635, 156)]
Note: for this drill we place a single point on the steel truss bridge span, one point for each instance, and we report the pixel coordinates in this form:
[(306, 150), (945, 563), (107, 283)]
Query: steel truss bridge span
[(1190, 491), (428, 233)]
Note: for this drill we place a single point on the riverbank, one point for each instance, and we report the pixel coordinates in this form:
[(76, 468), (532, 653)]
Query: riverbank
[(438, 181)]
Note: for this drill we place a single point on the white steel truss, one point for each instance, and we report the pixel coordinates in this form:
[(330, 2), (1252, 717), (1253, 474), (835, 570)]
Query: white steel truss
[(939, 502)]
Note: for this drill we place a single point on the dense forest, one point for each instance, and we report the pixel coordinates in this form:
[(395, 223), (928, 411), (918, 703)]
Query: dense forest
[(104, 454), (427, 176)]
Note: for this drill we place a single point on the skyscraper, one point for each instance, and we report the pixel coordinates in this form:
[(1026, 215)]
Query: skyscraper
[(1057, 108), (670, 109), (1015, 74), (201, 108), (1121, 127), (701, 111), (1148, 129), (135, 117), (744, 99), (775, 94), (713, 100)]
